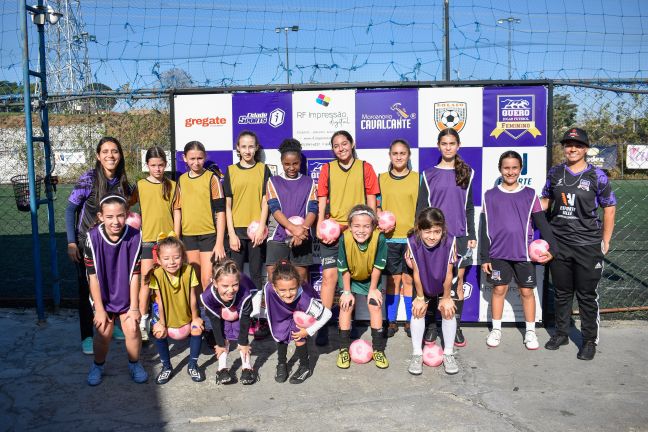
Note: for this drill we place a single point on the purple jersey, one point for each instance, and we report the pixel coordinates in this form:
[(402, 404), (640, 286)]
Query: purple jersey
[(293, 196), (432, 262), (114, 265), (508, 221), (280, 314), (215, 305), (452, 200)]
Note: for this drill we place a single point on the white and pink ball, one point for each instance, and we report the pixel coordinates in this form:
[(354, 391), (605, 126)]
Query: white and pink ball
[(134, 220), (179, 333), (386, 220), (229, 314), (252, 229), (329, 230), (537, 249), (303, 320), (432, 355), (296, 220), (361, 351)]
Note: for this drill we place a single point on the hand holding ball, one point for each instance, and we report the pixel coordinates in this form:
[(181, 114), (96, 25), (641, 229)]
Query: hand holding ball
[(303, 320), (328, 230), (296, 220), (179, 333), (386, 221), (361, 351), (537, 250), (252, 229)]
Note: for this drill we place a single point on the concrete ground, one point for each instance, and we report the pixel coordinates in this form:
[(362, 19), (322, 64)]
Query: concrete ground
[(43, 387)]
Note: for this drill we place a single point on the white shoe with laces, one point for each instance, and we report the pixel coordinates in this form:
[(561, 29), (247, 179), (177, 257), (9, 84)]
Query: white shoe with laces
[(531, 340), (494, 338)]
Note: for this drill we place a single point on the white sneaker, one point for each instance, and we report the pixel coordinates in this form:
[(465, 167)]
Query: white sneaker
[(494, 338), (531, 340), (450, 364)]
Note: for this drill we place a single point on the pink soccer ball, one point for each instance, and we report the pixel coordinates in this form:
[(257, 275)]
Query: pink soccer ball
[(432, 355), (361, 351), (253, 227), (328, 230), (303, 320), (386, 221), (134, 220), (296, 220), (229, 314), (179, 333), (537, 248)]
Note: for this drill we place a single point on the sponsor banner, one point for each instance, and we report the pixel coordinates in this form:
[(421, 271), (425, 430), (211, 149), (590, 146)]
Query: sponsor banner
[(269, 115), (637, 157), (471, 155), (317, 115), (515, 116), (456, 107), (385, 115), (604, 157), (222, 159), (472, 294), (513, 311), (206, 118), (534, 167)]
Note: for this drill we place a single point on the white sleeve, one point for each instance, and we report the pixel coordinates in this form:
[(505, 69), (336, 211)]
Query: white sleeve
[(322, 314)]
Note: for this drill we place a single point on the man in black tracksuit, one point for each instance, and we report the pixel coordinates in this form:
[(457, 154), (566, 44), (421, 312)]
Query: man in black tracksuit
[(574, 191)]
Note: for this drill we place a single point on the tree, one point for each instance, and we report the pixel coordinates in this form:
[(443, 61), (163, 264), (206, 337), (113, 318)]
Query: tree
[(564, 114), (99, 104), (175, 78)]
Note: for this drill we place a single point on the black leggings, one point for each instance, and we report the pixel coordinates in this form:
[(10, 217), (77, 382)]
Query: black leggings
[(255, 257), (86, 315)]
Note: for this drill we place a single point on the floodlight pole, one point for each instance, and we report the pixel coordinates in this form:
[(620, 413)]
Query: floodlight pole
[(286, 30), (446, 38), (510, 21)]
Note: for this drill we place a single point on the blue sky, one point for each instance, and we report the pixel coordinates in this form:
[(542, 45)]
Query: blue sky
[(234, 42)]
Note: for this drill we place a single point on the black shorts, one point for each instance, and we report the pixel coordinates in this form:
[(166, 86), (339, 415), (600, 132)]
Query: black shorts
[(462, 247), (147, 250), (396, 264), (301, 255), (202, 243), (503, 272), (329, 254)]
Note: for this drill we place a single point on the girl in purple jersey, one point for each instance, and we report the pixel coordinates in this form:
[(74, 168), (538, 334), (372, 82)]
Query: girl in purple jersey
[(448, 187), (431, 254), (509, 212), (285, 295), (112, 259), (107, 176)]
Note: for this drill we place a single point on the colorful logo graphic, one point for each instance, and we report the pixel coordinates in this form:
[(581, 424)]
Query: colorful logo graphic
[(323, 100), (402, 119), (314, 167), (450, 114), (206, 122), (515, 116)]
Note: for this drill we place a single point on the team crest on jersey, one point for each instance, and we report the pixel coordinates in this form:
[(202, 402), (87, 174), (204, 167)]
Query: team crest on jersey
[(515, 116), (584, 185), (450, 115), (496, 276)]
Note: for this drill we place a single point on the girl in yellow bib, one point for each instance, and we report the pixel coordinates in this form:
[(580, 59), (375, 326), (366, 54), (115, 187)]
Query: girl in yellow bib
[(155, 195), (361, 260), (202, 203)]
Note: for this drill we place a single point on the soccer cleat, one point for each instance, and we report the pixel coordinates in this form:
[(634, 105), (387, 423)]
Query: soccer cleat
[(87, 347), (322, 338), (223, 377), (392, 328), (249, 377), (380, 359), (416, 365), (408, 329), (460, 340), (301, 375), (164, 376), (195, 373), (118, 334), (531, 340), (494, 338), (587, 351), (431, 333), (282, 373), (556, 341), (450, 364), (137, 372), (344, 359), (95, 376)]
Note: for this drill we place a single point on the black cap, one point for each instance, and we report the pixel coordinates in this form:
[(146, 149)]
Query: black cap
[(576, 134)]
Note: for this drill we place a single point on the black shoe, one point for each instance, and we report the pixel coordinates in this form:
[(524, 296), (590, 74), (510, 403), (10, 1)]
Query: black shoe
[(587, 351), (195, 373), (460, 340), (263, 331), (249, 377), (408, 329), (392, 328), (282, 373), (300, 375), (431, 333), (223, 377), (164, 376), (322, 338), (556, 342)]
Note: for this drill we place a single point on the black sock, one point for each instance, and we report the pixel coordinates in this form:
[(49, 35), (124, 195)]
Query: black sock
[(345, 339), (282, 353), (378, 339), (430, 314), (459, 305), (100, 364), (302, 354)]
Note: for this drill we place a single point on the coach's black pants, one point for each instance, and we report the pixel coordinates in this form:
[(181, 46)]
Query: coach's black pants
[(85, 309), (577, 269)]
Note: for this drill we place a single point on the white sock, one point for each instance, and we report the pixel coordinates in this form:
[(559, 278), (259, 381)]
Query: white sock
[(530, 326), (222, 361), (245, 361), (417, 329), (497, 324), (449, 329)]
